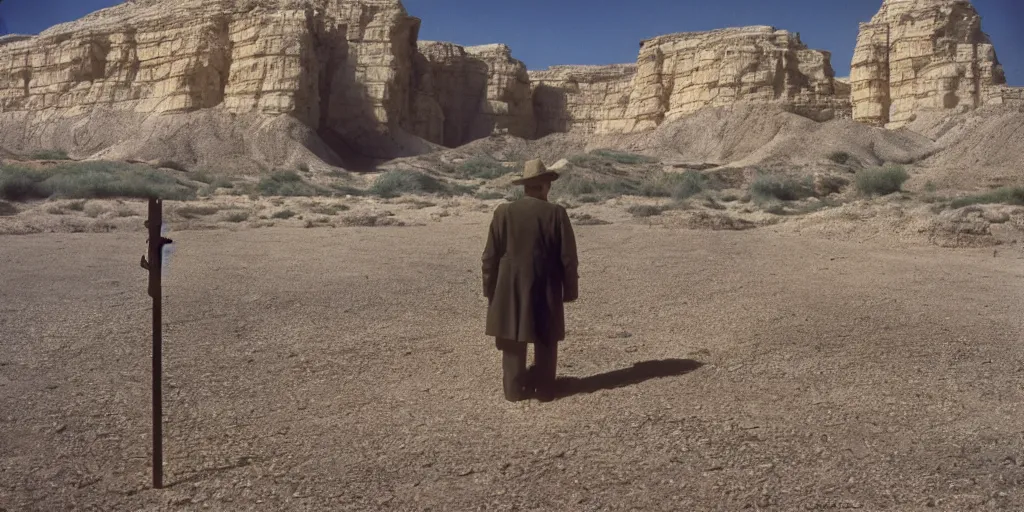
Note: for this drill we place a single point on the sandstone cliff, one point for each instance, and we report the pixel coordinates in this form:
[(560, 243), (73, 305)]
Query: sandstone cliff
[(918, 55), (679, 74), (339, 68), (230, 84), (467, 93)]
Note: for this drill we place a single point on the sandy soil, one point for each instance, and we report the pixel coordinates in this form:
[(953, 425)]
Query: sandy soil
[(344, 369)]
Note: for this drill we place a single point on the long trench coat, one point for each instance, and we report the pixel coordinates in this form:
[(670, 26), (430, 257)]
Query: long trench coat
[(529, 271)]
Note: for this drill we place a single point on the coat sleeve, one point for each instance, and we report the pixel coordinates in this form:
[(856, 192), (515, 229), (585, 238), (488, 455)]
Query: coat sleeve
[(492, 255), (570, 261)]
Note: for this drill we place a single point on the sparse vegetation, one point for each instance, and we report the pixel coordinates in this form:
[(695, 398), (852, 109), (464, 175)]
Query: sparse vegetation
[(1005, 195), (881, 181), (839, 157), (171, 164), (645, 210), (605, 157), (767, 188), (930, 187), (398, 182), (7, 209), (50, 154), (190, 211), (330, 210), (289, 184), (303, 167), (488, 195), (483, 167), (90, 180), (283, 214), (237, 217)]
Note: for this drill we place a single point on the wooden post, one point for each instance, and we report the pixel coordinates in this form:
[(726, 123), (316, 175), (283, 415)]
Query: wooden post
[(155, 267)]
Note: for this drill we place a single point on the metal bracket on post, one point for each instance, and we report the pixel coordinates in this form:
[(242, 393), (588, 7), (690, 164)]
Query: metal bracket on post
[(154, 265)]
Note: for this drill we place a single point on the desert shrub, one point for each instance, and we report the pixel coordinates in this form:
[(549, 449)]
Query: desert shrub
[(577, 186), (687, 184), (90, 180), (237, 217), (781, 188), (303, 167), (171, 164), (930, 187), (623, 157), (483, 167), (488, 195), (289, 184), (50, 154), (7, 209), (839, 157), (283, 214), (606, 157), (330, 210), (881, 181), (190, 211), (1005, 195), (398, 182), (645, 210), (201, 177), (515, 193)]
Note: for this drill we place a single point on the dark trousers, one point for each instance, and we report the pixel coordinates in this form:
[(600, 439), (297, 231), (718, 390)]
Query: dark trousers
[(539, 380)]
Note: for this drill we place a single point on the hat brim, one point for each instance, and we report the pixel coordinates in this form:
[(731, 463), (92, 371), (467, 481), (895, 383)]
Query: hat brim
[(544, 176)]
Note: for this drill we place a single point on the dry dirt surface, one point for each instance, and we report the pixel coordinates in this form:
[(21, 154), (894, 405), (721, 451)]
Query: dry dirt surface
[(345, 369)]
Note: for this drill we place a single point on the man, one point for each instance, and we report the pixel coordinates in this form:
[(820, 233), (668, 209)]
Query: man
[(529, 271)]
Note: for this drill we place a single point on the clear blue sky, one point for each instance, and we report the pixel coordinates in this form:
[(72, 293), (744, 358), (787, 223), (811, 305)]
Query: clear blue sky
[(546, 32)]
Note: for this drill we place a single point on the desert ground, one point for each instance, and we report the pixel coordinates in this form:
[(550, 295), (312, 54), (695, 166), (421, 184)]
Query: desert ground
[(345, 368)]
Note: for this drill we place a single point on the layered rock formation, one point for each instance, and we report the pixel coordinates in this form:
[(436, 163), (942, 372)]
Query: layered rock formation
[(347, 81), (679, 74), (467, 93), (341, 68), (568, 98), (919, 55)]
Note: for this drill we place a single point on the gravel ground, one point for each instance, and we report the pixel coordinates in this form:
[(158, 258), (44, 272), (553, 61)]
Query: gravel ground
[(345, 369)]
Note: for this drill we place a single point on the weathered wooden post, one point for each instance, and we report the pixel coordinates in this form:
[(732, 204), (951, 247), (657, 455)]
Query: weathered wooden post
[(155, 266)]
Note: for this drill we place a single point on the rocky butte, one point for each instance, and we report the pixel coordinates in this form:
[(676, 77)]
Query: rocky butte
[(275, 82), (917, 55)]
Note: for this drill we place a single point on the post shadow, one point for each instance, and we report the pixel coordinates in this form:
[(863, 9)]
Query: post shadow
[(639, 372)]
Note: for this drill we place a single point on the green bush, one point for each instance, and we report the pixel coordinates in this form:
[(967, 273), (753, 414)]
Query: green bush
[(90, 180), (398, 182), (50, 154), (881, 181), (483, 167), (1005, 195), (289, 184), (766, 188)]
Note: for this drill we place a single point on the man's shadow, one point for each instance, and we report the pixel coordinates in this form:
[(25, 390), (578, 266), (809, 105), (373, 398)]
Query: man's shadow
[(639, 372)]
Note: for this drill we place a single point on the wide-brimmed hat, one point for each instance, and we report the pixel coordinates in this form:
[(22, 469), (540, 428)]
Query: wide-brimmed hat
[(534, 171)]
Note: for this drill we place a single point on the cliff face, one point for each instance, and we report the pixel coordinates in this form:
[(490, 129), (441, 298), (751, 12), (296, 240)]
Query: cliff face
[(341, 68), (347, 80), (677, 75), (919, 55), (467, 93)]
